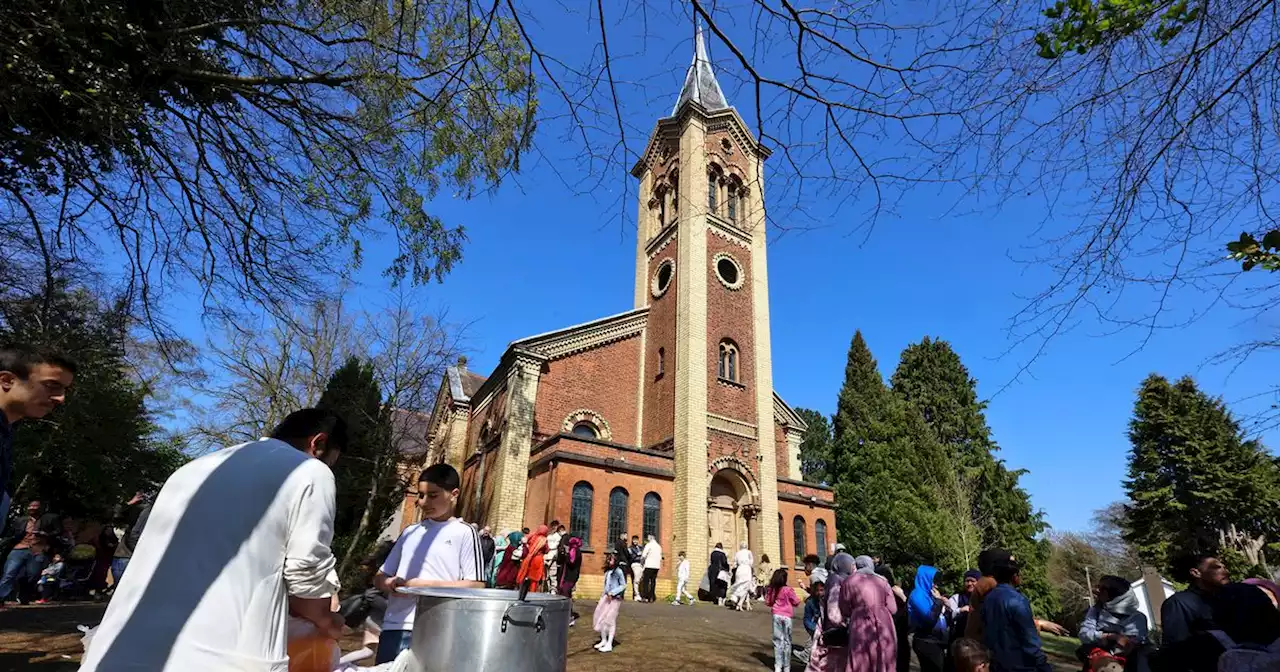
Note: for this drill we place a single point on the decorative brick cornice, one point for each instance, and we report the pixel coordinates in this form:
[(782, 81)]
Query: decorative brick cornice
[(733, 234), (810, 501), (720, 423), (561, 344), (783, 415), (662, 240)]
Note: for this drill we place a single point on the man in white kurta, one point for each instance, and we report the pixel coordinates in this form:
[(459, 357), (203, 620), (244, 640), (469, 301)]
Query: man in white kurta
[(235, 540)]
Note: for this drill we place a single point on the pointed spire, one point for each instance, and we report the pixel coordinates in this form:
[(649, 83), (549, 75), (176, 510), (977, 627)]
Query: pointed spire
[(700, 84)]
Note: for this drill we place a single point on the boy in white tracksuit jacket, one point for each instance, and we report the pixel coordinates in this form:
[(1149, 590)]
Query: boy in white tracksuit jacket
[(682, 580)]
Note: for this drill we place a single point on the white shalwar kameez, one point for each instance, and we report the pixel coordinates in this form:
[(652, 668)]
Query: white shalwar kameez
[(231, 536)]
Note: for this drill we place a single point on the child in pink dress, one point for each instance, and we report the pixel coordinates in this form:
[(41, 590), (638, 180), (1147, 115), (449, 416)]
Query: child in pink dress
[(606, 616), (783, 601)]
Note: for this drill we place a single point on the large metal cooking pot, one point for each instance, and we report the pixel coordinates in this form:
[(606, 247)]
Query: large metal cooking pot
[(482, 629)]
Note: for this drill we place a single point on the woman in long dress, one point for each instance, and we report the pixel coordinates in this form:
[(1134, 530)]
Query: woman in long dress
[(826, 656), (744, 578), (718, 574), (532, 567), (867, 606)]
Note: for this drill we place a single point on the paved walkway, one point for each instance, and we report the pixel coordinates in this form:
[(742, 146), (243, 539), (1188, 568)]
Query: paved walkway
[(657, 637)]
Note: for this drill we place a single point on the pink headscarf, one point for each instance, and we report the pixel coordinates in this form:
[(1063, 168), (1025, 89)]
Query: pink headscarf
[(1269, 586)]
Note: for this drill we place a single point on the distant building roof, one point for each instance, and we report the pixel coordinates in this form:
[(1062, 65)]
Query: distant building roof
[(463, 383), (409, 429)]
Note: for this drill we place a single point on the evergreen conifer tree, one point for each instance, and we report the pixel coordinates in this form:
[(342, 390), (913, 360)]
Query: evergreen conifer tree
[(1196, 484)]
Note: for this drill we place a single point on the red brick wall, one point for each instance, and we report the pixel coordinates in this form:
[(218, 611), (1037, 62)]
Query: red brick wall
[(604, 380), (780, 454), (467, 498), (728, 445), (568, 474), (535, 499), (729, 315), (660, 391), (822, 494), (811, 514)]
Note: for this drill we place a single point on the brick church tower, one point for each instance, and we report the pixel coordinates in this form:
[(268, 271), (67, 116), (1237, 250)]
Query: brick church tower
[(701, 270), (661, 420)]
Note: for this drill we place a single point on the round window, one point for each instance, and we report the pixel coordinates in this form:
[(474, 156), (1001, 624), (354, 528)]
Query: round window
[(728, 271), (586, 430), (662, 278)]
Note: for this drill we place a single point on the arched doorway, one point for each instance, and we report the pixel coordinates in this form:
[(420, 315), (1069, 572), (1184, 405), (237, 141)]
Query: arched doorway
[(728, 505)]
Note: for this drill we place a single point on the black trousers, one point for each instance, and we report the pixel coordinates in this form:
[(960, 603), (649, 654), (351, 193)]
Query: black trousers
[(929, 652), (649, 584)]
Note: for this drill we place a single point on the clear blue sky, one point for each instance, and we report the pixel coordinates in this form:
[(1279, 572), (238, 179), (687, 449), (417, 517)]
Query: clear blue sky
[(542, 257)]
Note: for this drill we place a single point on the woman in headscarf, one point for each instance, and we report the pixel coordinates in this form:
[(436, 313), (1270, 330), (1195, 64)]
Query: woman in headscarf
[(533, 568), (744, 578), (570, 572), (509, 566), (830, 649), (867, 607), (718, 574), (900, 627), (1114, 624), (927, 620)]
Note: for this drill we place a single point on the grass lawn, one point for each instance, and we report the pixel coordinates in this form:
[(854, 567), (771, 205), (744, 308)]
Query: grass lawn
[(1063, 648)]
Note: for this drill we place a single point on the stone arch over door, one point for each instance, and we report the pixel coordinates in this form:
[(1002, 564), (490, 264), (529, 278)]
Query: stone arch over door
[(733, 506)]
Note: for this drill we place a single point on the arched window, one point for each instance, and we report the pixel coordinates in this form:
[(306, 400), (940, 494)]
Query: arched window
[(662, 209), (617, 513), (652, 511), (580, 512), (728, 369), (586, 430), (662, 361), (820, 538), (733, 202), (675, 195), (798, 529), (713, 193)]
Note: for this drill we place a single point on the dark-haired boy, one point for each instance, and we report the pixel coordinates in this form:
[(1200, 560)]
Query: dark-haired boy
[(441, 551), (32, 383)]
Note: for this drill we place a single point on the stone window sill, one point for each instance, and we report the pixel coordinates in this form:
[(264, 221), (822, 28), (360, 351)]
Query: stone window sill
[(731, 383)]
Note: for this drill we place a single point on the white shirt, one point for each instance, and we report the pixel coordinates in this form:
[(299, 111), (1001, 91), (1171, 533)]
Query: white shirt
[(553, 544), (651, 556), (230, 537), (744, 558), (437, 551), (682, 571)]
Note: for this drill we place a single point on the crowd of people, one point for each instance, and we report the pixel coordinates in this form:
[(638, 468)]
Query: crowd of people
[(859, 620), (238, 547)]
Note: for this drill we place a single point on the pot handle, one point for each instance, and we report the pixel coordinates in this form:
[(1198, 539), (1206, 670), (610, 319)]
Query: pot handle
[(539, 624)]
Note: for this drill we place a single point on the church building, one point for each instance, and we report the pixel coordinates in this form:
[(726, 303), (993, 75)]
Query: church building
[(663, 419)]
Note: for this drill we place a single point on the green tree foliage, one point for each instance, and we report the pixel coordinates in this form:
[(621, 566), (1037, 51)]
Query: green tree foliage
[(102, 446), (367, 486), (252, 146), (815, 447), (1251, 252), (932, 381), (1196, 483), (881, 462), (1080, 25)]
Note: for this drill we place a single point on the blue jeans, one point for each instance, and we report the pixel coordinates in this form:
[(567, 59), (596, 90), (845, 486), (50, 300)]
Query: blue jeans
[(391, 643), (20, 568), (117, 570)]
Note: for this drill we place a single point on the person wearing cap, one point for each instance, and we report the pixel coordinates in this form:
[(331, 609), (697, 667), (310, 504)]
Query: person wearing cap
[(1009, 630), (958, 604)]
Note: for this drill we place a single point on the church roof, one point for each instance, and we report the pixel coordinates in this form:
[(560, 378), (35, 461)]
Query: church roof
[(463, 383), (700, 83)]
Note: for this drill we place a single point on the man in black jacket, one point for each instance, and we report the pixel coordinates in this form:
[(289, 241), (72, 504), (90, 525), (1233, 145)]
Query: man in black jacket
[(623, 552), (1190, 611)]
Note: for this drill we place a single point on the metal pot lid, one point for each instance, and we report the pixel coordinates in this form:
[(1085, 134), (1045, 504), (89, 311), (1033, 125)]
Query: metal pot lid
[(481, 594)]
